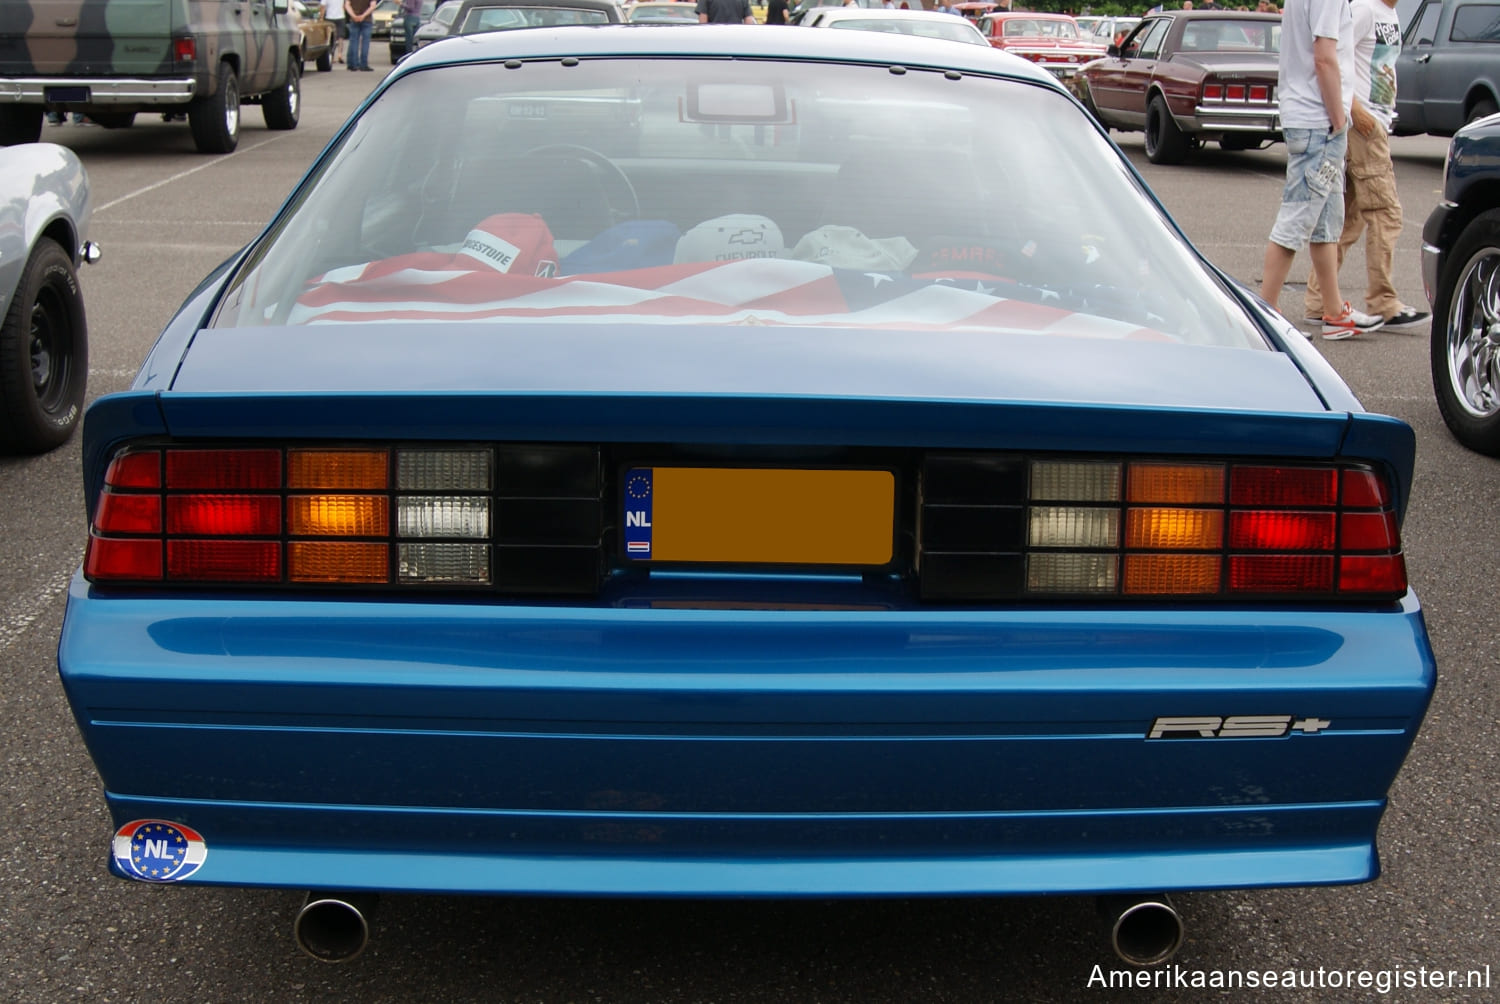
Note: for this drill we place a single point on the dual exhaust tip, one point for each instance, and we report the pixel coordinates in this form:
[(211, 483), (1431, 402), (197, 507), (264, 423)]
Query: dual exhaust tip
[(332, 926), (1143, 930)]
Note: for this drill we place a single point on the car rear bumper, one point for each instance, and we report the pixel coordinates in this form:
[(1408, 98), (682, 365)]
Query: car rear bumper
[(1216, 119), (96, 90), (605, 750)]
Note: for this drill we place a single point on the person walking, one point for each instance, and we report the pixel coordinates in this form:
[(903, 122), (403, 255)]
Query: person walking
[(1315, 86), (411, 20), (725, 12), (776, 11), (359, 14), (1371, 204), (333, 11)]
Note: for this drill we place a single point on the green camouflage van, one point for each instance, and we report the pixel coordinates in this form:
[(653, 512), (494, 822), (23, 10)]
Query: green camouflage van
[(113, 59)]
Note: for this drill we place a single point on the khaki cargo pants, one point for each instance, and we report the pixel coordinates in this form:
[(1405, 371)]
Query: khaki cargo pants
[(1370, 204)]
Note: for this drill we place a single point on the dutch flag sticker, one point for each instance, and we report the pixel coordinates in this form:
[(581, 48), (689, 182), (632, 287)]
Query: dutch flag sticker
[(154, 850)]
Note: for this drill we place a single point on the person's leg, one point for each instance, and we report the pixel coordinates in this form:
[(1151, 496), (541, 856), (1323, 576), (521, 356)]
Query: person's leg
[(1274, 269), (1380, 207), (1354, 225)]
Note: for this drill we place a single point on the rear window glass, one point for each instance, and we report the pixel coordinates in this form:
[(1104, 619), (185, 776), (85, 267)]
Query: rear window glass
[(746, 192)]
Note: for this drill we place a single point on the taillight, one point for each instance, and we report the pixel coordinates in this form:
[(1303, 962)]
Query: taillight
[(1260, 93), (1234, 92), (996, 526), (1213, 92), (184, 50), (514, 518)]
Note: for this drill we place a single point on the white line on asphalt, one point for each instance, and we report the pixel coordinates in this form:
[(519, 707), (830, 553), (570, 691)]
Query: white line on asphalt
[(183, 174), (23, 613)]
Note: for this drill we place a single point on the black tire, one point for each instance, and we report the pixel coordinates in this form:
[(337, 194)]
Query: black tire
[(215, 119), (114, 120), (1465, 345), (1482, 108), (325, 61), (1165, 143), (20, 124), (44, 354), (283, 106)]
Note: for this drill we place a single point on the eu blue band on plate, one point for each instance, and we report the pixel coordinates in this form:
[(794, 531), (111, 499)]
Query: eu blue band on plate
[(760, 516), (638, 512)]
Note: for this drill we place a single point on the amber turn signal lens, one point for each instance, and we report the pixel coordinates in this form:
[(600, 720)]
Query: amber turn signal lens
[(337, 515), (1171, 573), (346, 470), (339, 561)]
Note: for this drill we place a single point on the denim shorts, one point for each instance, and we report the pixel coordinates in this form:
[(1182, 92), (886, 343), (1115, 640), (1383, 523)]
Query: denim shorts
[(1312, 203)]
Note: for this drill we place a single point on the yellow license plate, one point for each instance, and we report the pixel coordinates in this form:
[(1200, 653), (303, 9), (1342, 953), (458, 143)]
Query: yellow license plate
[(737, 515)]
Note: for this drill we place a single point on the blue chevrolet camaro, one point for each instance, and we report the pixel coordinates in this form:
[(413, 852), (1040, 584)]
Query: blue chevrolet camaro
[(609, 474)]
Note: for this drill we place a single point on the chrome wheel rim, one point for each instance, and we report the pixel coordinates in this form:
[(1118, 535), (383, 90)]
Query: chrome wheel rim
[(232, 108), (1474, 335)]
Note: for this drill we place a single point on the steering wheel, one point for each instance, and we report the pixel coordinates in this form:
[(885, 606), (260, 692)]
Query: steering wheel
[(619, 193)]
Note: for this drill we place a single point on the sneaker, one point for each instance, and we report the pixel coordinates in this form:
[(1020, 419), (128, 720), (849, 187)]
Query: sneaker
[(1405, 317), (1349, 322)]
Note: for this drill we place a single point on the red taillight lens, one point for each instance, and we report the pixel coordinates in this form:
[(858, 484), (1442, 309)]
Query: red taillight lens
[(224, 515), (184, 50), (232, 470), (1234, 92), (1213, 92), (224, 560), (1260, 93)]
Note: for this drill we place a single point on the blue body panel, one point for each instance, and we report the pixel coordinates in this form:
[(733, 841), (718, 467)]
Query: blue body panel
[(535, 748)]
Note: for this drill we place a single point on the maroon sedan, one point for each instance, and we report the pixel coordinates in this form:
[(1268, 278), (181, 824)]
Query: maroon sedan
[(1189, 77)]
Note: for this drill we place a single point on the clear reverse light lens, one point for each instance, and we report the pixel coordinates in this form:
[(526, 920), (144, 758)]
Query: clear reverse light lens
[(443, 516), (1073, 526), (1075, 482), (445, 563), (443, 470)]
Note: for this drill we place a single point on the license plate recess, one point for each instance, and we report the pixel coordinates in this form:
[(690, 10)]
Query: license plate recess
[(759, 516)]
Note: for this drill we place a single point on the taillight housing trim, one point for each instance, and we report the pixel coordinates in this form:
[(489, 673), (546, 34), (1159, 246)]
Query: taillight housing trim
[(400, 515), (1154, 529)]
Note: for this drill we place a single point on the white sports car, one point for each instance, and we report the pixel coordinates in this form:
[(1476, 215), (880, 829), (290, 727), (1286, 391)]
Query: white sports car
[(45, 203)]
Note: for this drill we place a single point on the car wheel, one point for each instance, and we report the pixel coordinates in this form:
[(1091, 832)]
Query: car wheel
[(44, 357), (283, 107), (325, 61), (215, 119), (20, 124), (1466, 336), (1482, 108), (1165, 143)]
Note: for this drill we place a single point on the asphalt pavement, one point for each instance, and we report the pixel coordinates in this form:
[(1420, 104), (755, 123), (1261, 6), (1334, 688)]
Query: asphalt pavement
[(166, 215)]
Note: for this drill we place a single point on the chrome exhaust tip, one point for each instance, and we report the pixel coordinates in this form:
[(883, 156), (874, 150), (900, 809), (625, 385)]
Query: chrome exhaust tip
[(334, 927), (1143, 930)]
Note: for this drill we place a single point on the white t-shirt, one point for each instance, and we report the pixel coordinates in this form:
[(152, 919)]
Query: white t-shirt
[(1301, 22), (333, 10), (1377, 43)]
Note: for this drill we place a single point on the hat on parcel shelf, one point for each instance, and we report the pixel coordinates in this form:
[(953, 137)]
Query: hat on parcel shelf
[(731, 238), (846, 247), (513, 243), (632, 244)]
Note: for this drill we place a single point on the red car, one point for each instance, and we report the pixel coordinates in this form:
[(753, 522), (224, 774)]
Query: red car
[(1190, 77), (1052, 41)]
